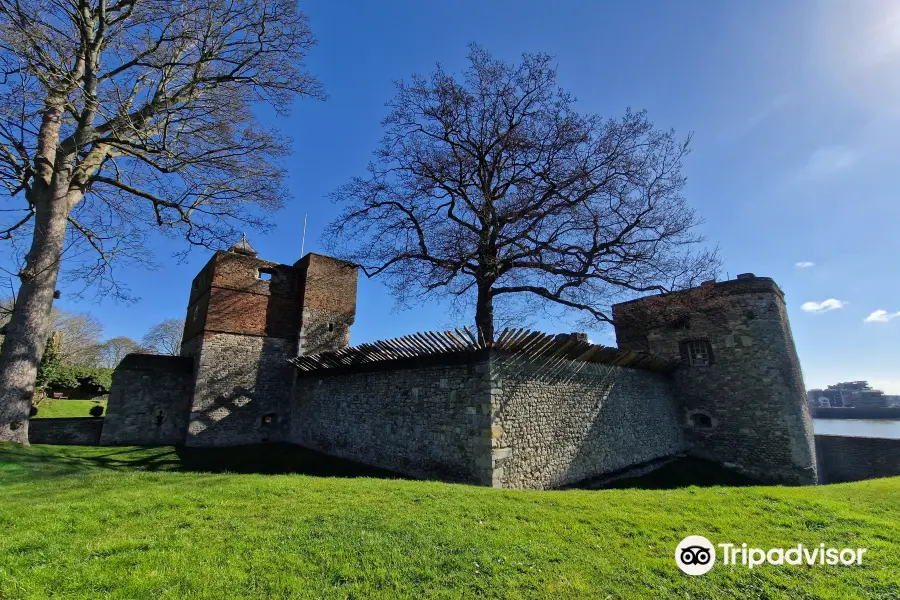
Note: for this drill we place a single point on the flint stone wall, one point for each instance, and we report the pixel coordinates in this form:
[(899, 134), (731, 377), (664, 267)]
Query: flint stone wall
[(67, 431), (479, 418), (240, 380), (845, 458), (149, 401), (751, 392), (421, 420), (561, 424)]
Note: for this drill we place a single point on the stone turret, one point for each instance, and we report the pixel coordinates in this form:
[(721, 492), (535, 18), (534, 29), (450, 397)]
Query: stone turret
[(739, 381), (242, 246)]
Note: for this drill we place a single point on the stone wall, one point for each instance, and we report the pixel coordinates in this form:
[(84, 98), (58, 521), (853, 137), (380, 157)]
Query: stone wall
[(844, 458), (329, 303), (485, 419), (565, 423), (77, 431), (421, 420), (747, 408), (242, 391), (149, 401)]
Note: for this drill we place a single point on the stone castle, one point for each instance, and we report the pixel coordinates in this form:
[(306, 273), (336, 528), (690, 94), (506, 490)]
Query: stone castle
[(710, 372)]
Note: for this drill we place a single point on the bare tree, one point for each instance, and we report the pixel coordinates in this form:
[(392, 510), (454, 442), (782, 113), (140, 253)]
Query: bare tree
[(6, 310), (121, 116), (113, 350), (491, 187), (80, 335), (165, 337)]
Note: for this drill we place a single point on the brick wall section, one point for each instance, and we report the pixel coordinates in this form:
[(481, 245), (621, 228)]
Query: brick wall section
[(752, 392), (422, 421), (329, 303), (240, 380), (149, 401), (844, 458), (66, 431), (228, 296), (575, 422)]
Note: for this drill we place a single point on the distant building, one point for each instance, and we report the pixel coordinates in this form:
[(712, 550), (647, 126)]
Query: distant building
[(856, 394)]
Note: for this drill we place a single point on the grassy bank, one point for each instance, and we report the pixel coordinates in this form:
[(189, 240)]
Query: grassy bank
[(131, 523), (51, 409)]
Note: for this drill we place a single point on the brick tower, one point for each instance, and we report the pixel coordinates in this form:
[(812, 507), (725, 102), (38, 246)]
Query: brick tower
[(247, 316), (738, 380)]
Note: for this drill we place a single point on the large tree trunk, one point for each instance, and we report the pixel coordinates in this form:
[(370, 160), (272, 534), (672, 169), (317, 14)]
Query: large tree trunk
[(484, 313), (29, 328)]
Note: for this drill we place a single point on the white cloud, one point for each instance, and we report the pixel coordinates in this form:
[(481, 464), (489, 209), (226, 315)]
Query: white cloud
[(804, 264), (827, 160), (824, 306), (881, 316)]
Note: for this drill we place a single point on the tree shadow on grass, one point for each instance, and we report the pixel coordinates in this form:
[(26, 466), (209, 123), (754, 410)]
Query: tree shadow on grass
[(44, 461)]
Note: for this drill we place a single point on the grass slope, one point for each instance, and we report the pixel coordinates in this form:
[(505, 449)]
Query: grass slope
[(125, 523), (50, 409)]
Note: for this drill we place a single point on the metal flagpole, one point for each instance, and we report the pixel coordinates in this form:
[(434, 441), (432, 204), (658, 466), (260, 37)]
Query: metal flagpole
[(303, 240)]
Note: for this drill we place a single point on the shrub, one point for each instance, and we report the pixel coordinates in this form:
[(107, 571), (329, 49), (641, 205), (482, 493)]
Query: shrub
[(98, 382), (91, 381), (96, 411)]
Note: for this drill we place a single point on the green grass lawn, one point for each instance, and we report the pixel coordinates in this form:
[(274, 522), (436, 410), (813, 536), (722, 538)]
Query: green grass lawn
[(131, 523), (50, 409)]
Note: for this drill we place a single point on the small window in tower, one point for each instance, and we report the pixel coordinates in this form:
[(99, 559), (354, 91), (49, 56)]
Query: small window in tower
[(265, 274), (699, 353), (330, 327), (701, 420), (196, 312)]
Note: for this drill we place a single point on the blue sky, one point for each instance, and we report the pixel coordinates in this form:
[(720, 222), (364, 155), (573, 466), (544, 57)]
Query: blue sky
[(794, 106)]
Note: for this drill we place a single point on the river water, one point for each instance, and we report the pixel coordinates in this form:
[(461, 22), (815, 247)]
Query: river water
[(858, 427)]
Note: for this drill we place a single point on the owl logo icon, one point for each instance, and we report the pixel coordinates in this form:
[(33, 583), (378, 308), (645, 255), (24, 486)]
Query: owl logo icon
[(695, 555)]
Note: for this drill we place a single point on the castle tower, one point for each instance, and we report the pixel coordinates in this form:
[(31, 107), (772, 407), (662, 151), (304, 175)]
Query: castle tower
[(328, 302), (246, 317), (738, 380)]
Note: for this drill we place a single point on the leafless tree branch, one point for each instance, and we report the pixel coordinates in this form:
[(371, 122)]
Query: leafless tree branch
[(490, 185)]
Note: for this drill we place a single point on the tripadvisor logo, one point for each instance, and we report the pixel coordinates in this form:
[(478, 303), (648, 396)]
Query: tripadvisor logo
[(695, 555)]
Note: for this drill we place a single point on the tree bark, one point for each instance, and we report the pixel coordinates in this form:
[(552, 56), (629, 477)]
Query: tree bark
[(29, 328), (484, 313)]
